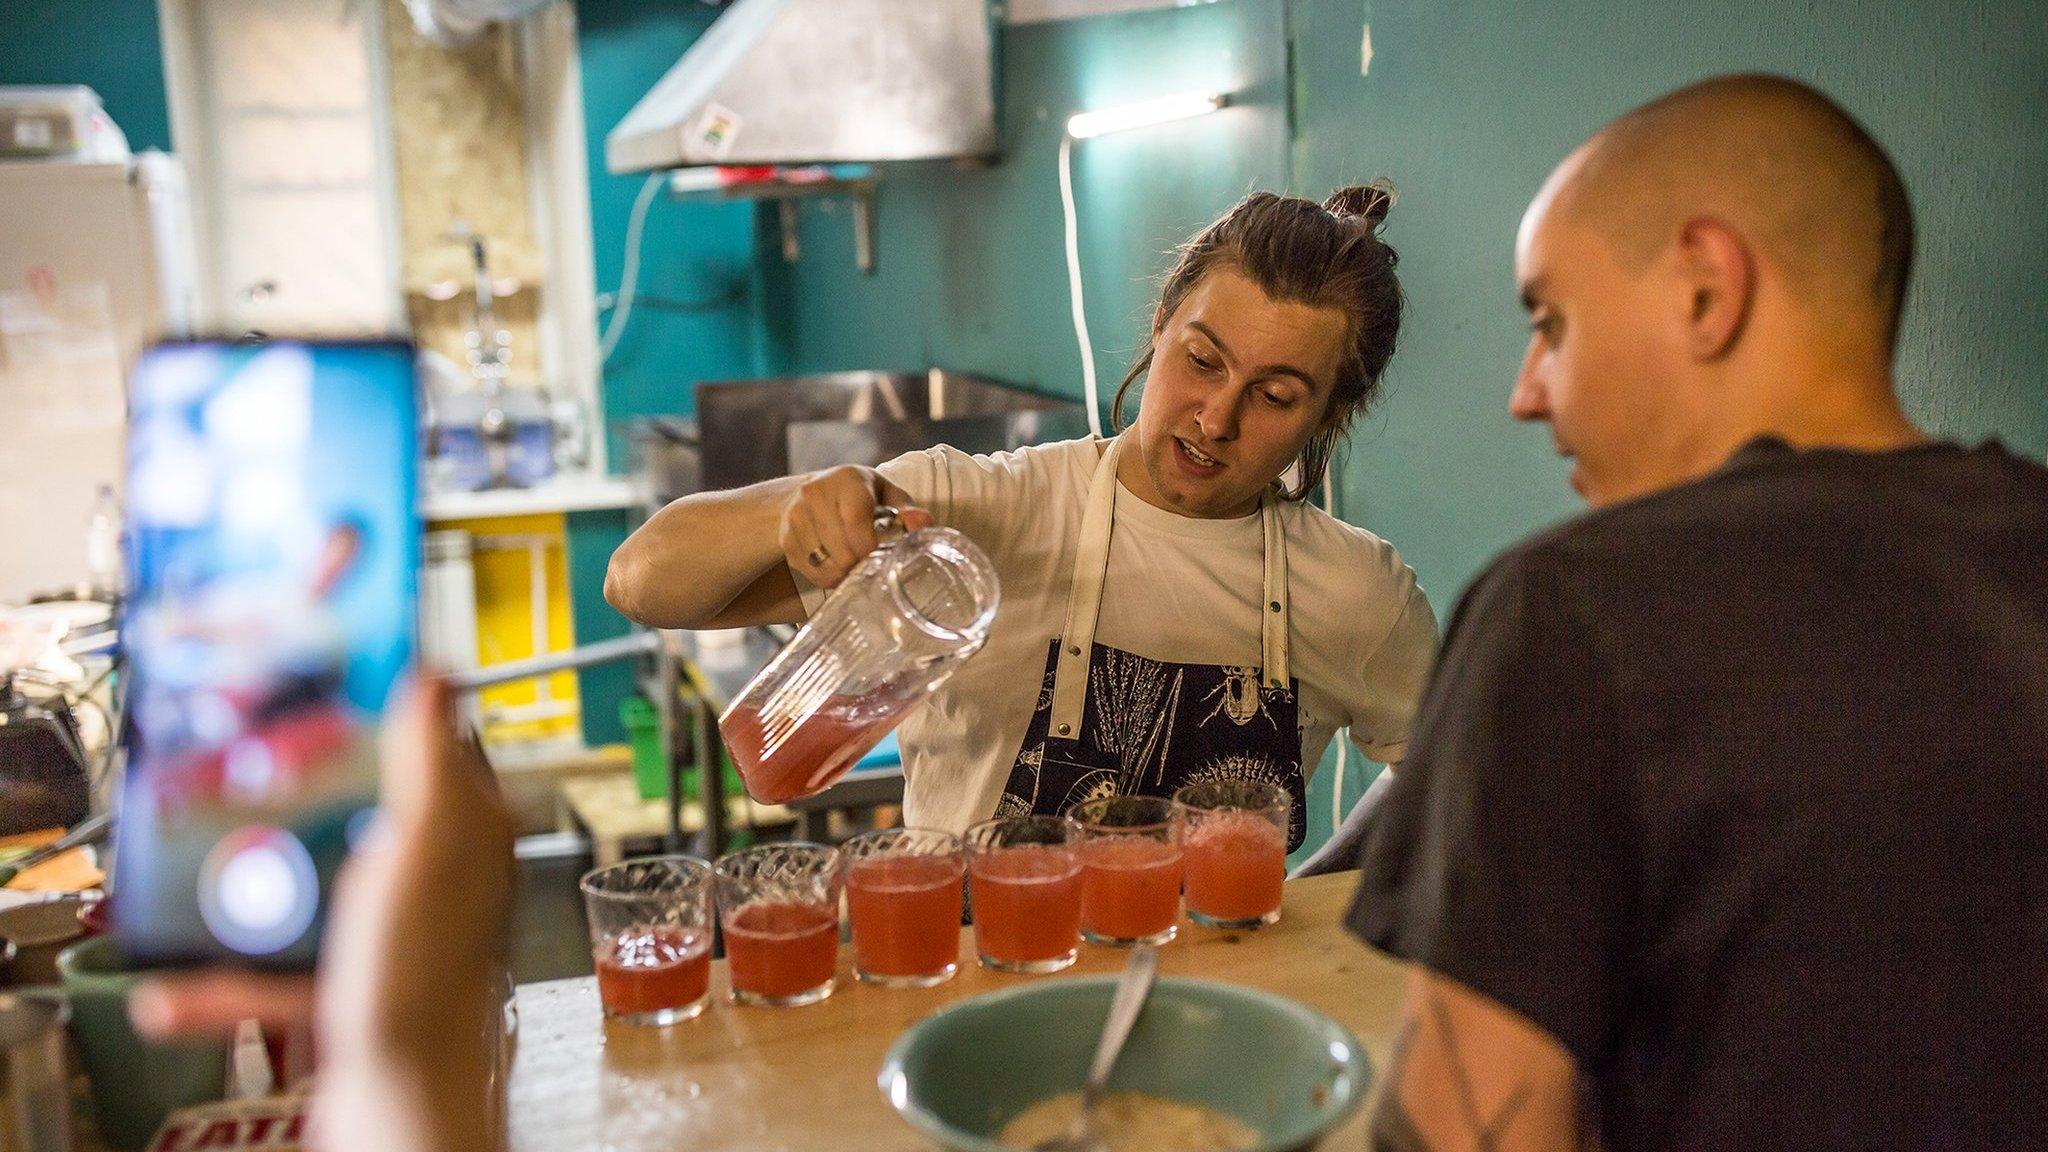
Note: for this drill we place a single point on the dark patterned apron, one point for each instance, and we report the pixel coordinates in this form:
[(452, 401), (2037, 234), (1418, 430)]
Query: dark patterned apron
[(1110, 722)]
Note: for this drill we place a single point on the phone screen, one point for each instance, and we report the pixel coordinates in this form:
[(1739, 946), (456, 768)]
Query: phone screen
[(272, 573)]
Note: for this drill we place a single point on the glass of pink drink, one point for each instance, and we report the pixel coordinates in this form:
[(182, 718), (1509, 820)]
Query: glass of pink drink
[(903, 902), (1234, 835), (1024, 875), (779, 905), (1130, 870), (650, 937)]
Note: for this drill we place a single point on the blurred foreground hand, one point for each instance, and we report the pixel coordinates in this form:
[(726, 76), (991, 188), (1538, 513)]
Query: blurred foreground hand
[(406, 1002)]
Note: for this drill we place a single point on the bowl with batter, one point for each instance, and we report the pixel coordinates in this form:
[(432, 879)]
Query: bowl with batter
[(1210, 1067)]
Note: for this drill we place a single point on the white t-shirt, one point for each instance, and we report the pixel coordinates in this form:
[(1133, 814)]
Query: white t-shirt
[(1361, 642)]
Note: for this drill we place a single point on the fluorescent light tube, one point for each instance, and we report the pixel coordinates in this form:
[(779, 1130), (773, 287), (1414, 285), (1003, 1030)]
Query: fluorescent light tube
[(1143, 114)]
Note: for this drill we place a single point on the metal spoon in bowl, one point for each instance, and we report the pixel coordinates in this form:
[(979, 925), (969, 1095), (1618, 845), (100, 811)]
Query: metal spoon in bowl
[(1131, 990)]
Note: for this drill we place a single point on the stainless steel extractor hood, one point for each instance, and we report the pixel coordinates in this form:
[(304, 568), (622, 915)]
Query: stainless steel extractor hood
[(810, 81)]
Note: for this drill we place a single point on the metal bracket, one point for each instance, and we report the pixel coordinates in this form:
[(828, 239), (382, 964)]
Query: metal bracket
[(786, 194), (864, 227), (862, 193)]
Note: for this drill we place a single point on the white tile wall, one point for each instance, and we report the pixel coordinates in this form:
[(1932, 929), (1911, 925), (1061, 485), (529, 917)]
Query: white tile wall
[(287, 171)]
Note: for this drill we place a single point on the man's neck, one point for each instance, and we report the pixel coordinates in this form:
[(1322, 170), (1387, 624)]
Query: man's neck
[(1826, 407), (1857, 416)]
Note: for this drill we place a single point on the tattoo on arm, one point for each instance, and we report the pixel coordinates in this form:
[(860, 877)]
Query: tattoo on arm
[(1394, 1131), (1485, 1130)]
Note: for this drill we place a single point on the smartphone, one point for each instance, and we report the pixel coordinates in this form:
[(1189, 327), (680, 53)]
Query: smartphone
[(272, 561)]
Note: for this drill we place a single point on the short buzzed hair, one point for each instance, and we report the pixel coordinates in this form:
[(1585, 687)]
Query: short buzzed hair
[(1794, 169)]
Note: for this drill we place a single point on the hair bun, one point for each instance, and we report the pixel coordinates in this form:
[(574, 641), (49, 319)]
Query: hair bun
[(1370, 202)]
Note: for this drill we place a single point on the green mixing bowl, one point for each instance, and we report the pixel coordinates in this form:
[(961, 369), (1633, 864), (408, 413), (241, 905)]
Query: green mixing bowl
[(1289, 1073)]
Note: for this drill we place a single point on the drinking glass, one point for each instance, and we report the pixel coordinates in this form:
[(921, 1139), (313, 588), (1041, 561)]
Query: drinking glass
[(903, 903), (650, 937), (1130, 870), (779, 904), (1233, 835), (1024, 876)]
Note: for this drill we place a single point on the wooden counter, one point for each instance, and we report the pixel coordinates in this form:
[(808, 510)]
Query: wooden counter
[(803, 1079)]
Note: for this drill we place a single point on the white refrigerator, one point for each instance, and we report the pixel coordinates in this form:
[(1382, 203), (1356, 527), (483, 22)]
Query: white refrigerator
[(95, 263)]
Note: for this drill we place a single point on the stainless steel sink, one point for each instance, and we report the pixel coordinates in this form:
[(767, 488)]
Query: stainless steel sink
[(752, 430)]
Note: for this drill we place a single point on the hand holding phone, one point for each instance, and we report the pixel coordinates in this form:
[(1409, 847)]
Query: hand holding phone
[(273, 556)]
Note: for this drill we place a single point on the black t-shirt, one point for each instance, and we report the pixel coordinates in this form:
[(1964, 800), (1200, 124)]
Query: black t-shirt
[(1740, 791)]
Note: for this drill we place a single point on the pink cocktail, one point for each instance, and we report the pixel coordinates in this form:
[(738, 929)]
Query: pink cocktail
[(650, 937), (779, 904), (654, 971), (818, 751), (903, 902), (1234, 835), (781, 954), (1130, 889), (1130, 870), (1027, 893)]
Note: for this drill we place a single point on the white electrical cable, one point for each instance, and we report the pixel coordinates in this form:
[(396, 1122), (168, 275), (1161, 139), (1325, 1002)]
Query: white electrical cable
[(1074, 285), (1337, 782), (629, 276)]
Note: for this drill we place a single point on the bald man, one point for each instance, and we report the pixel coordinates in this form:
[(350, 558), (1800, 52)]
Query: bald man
[(1725, 823)]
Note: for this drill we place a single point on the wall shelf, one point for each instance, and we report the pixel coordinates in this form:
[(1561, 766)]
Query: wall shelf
[(699, 184)]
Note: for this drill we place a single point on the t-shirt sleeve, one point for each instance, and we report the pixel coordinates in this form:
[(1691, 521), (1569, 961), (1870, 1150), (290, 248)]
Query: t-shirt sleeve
[(986, 498), (1499, 858), (950, 484), (1395, 676), (923, 474)]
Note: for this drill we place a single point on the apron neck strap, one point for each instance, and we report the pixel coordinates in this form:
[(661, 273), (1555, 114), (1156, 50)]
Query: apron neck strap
[(1275, 605), (1091, 567)]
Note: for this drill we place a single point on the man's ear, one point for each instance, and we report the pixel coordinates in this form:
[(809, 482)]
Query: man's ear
[(1718, 270)]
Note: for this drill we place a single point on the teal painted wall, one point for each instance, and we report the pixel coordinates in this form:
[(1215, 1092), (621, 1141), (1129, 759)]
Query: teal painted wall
[(111, 46), (592, 536), (1468, 106), (698, 315)]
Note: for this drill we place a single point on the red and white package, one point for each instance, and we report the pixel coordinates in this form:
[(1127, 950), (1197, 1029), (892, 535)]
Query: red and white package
[(272, 1124)]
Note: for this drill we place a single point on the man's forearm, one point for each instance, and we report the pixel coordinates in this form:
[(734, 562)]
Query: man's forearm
[(694, 557)]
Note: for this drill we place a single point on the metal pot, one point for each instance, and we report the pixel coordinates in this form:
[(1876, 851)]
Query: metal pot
[(669, 456), (43, 778), (38, 932)]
